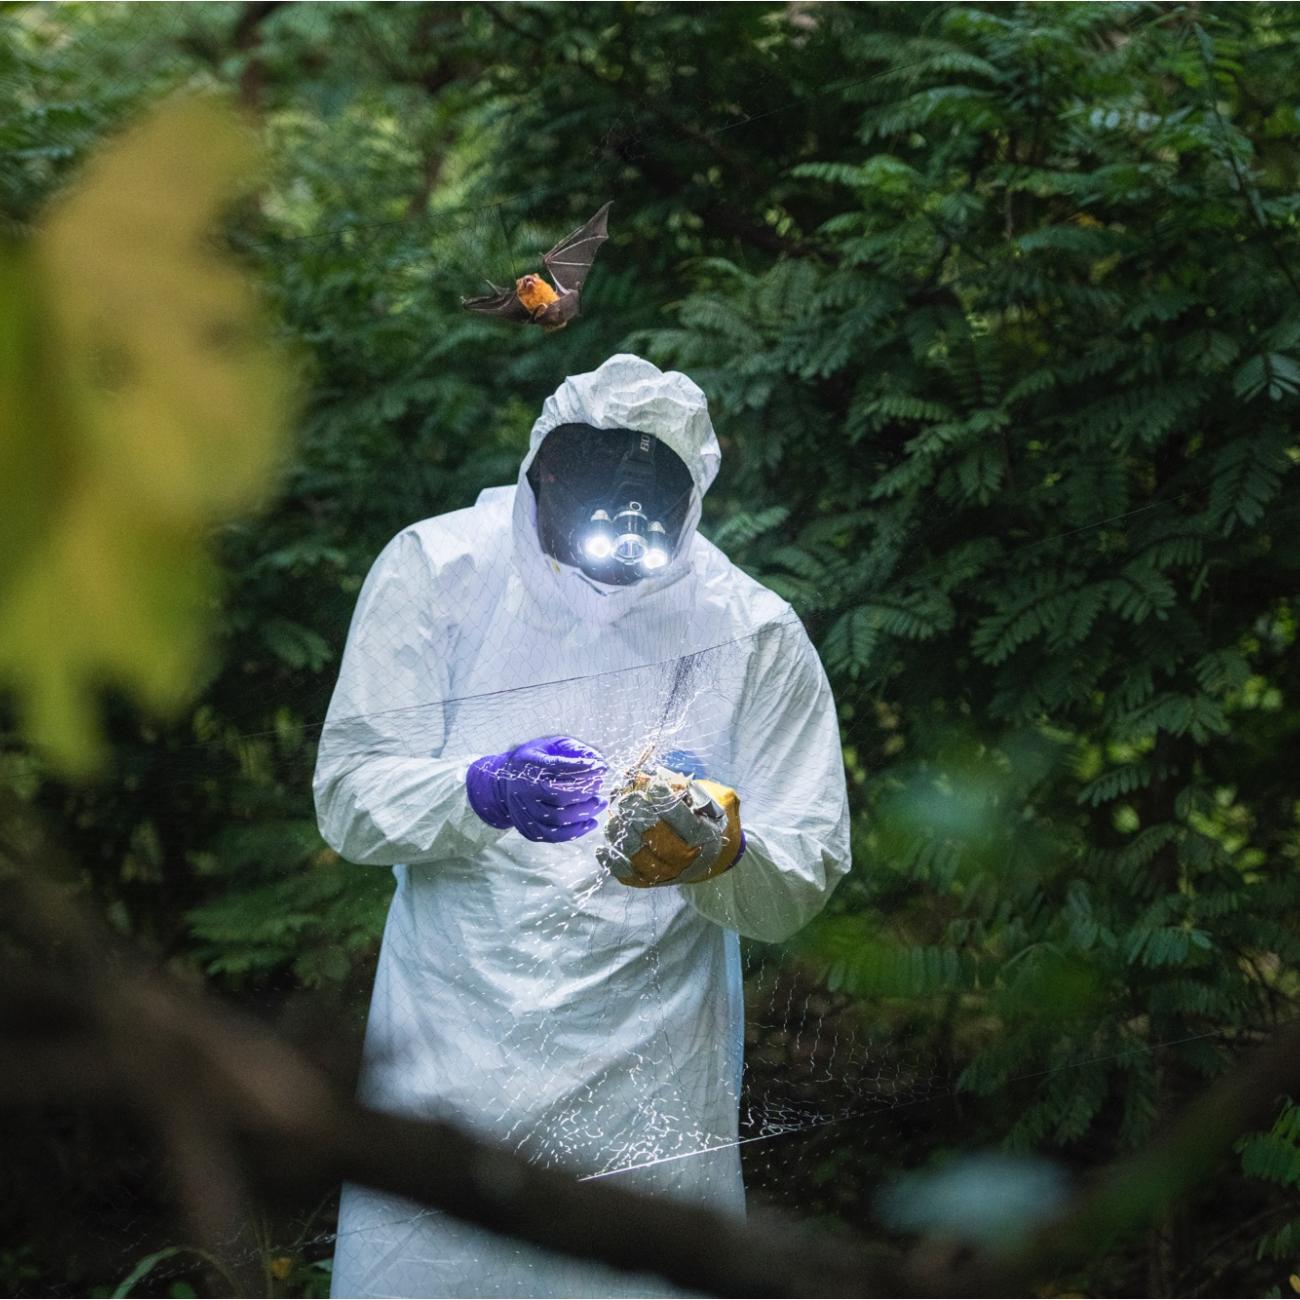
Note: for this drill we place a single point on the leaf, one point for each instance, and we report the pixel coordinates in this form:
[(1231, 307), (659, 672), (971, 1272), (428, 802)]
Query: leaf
[(144, 1268), (1271, 371), (1247, 476), (851, 642), (173, 407), (296, 645), (161, 337), (30, 408), (1120, 781), (745, 527)]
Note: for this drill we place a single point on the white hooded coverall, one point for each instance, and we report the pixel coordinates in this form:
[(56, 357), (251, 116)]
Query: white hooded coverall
[(521, 989)]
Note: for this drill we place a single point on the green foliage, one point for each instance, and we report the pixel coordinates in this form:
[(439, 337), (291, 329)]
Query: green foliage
[(1030, 338), (304, 910), (997, 311), (1275, 1157)]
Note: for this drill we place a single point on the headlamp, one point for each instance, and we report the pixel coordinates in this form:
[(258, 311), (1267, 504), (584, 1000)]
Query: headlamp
[(630, 526), (610, 502), (656, 550), (629, 537), (599, 540)]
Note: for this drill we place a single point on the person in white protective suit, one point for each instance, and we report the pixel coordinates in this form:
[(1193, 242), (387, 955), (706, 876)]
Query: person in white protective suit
[(594, 752)]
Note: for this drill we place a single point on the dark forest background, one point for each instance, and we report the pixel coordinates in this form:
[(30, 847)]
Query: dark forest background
[(998, 312)]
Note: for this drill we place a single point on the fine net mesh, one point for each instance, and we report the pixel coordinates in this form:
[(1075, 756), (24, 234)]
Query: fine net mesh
[(590, 1026), (629, 1036), (668, 1039), (522, 989), (626, 1035)]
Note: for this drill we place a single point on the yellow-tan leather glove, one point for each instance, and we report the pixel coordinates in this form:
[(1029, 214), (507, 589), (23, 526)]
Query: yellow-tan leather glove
[(665, 828)]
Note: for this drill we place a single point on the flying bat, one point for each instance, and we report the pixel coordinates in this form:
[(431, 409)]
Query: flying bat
[(532, 301)]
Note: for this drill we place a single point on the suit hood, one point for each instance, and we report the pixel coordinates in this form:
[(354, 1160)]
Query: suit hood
[(625, 392)]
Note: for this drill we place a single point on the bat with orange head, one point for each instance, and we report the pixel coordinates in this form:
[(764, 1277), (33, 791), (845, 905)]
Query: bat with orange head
[(534, 302)]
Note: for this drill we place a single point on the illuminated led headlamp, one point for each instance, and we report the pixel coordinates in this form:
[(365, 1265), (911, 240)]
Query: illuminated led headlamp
[(630, 525), (656, 548), (598, 544), (629, 537)]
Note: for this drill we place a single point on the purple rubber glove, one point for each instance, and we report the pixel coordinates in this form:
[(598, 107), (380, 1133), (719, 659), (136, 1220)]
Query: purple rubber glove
[(548, 789)]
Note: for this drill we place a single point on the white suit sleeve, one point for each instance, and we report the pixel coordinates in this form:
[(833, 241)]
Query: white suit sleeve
[(385, 792), (789, 771)]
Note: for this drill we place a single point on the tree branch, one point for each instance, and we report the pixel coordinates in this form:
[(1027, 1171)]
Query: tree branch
[(153, 1041), (148, 1042), (246, 38), (1125, 1197)]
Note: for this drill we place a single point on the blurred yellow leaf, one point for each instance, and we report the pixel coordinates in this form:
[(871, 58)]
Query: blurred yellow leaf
[(162, 336), (106, 599), (159, 405), (29, 420), (1294, 1279)]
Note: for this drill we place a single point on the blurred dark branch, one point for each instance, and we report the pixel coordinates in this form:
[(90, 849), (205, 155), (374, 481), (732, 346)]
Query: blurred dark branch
[(233, 1101), (1127, 1196), (246, 37), (694, 1247), (82, 1017)]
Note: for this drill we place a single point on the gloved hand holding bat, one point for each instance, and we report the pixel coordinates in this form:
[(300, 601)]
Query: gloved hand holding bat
[(667, 828)]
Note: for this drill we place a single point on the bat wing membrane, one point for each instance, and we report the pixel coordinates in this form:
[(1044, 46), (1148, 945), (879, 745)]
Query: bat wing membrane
[(570, 260), (504, 303)]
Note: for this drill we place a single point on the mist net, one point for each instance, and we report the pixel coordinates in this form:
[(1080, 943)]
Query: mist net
[(523, 991), (673, 1040)]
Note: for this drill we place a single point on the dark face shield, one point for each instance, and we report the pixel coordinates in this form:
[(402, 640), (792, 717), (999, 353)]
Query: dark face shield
[(610, 502)]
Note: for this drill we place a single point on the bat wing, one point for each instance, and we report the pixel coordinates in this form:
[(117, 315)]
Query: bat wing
[(571, 259), (504, 303)]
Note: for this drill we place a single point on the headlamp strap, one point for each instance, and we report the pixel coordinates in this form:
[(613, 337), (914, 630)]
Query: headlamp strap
[(636, 473)]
